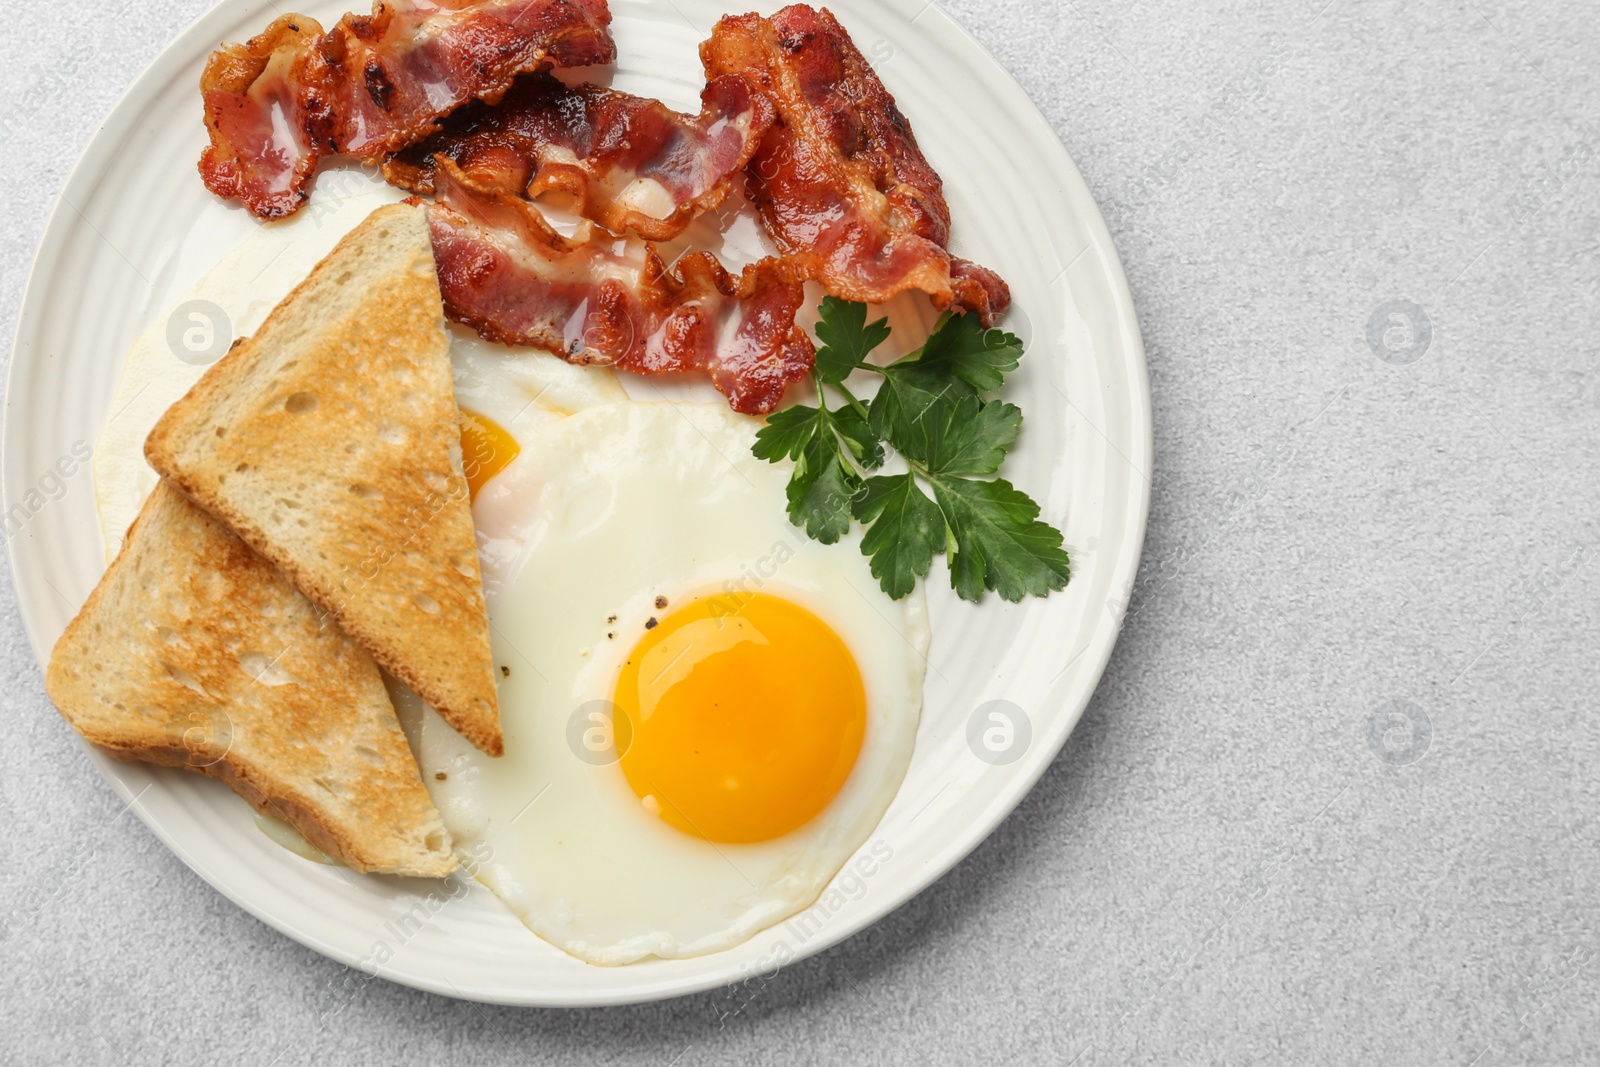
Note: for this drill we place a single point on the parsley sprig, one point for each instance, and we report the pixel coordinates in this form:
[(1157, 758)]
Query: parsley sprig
[(934, 409)]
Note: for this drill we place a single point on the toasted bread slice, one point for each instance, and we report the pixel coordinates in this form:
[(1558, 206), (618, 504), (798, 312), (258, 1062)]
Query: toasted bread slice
[(331, 443), (193, 651)]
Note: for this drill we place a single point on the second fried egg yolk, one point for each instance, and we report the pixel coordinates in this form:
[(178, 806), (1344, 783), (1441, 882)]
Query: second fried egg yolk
[(486, 449), (739, 718)]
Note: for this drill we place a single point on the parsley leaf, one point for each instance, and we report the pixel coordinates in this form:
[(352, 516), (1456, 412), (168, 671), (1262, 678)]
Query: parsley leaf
[(821, 489), (935, 392), (950, 431), (787, 433), (904, 531), (977, 438), (960, 347), (826, 445), (864, 444), (847, 339), (1000, 542), (910, 407)]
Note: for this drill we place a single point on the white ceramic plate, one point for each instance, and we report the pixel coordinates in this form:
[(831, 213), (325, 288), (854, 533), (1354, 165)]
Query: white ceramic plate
[(134, 228)]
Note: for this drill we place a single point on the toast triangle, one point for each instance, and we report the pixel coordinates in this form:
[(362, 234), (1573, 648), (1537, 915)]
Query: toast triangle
[(193, 651), (331, 443)]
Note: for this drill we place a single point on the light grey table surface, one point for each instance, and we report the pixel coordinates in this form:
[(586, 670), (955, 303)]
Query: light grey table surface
[(1242, 855)]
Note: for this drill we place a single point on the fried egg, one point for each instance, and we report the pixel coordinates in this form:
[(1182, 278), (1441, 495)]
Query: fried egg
[(705, 713)]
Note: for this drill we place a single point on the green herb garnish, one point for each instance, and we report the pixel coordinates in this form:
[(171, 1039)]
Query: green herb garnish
[(931, 408)]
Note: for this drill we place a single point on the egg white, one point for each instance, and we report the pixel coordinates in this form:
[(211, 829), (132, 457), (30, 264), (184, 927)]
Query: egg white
[(625, 503)]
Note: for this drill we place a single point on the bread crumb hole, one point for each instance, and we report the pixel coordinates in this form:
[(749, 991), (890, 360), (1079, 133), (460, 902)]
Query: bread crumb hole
[(426, 603), (264, 669), (222, 431), (366, 492), (434, 841), (370, 754), (300, 403), (188, 681), (392, 433)]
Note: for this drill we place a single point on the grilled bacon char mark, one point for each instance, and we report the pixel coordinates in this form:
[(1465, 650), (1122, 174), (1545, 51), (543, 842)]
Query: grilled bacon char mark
[(626, 162), (841, 184), (374, 84), (504, 271)]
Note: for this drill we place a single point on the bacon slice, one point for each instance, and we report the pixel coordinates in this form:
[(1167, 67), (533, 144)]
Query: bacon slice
[(626, 162), (504, 271), (374, 84), (843, 188), (265, 138)]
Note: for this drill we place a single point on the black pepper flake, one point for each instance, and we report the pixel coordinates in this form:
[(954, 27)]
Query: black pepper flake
[(612, 621), (651, 625), (506, 671), (661, 602), (441, 776), (611, 637)]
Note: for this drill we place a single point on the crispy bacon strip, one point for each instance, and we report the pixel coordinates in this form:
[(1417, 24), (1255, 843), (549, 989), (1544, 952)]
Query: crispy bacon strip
[(374, 84), (504, 271), (626, 162), (839, 179)]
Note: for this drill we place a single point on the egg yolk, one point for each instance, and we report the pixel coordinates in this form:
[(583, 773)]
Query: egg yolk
[(486, 449), (739, 717)]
